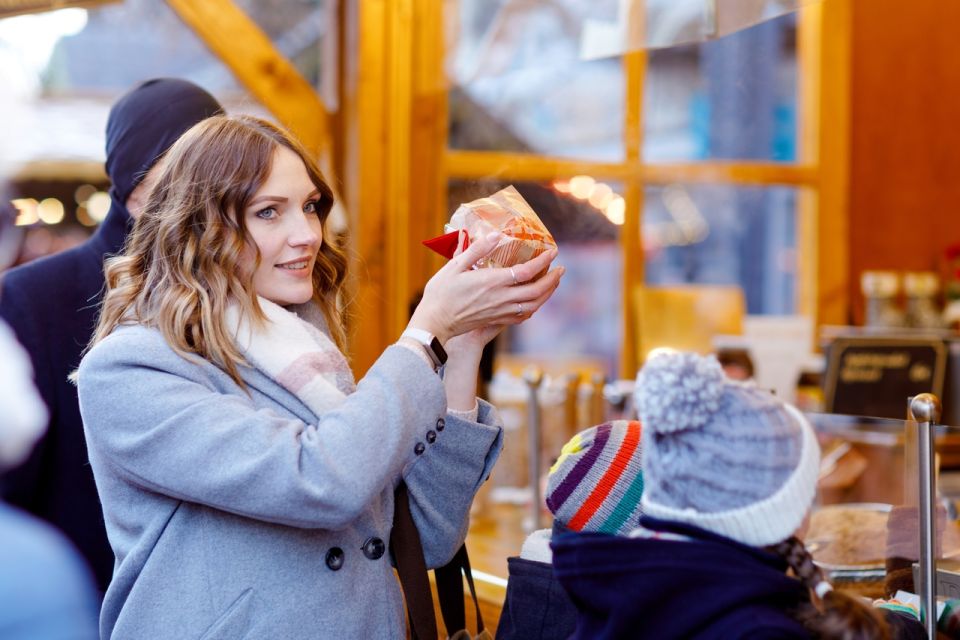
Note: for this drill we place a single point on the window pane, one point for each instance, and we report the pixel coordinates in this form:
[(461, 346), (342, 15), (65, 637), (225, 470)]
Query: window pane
[(583, 318), (124, 43), (518, 82), (66, 68), (725, 235), (732, 98)]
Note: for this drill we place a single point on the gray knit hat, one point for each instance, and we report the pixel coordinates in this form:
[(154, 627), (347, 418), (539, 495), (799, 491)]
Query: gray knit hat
[(723, 455)]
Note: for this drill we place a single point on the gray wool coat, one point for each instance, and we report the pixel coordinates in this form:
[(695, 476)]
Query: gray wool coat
[(236, 516)]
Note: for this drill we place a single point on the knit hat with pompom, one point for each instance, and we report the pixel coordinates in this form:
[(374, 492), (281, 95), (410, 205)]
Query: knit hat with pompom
[(723, 455)]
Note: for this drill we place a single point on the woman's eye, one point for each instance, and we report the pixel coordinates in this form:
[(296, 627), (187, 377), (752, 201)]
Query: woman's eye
[(310, 207), (267, 214)]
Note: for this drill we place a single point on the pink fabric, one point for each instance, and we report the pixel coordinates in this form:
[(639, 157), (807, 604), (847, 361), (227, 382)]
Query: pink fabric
[(313, 363)]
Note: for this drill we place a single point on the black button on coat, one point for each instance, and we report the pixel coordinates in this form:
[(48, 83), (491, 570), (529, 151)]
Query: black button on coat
[(334, 559), (374, 548)]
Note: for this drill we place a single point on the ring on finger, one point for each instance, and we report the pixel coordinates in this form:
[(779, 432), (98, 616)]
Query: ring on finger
[(519, 308), (514, 276)]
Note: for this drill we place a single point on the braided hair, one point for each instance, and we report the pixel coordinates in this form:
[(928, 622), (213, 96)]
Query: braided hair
[(839, 616)]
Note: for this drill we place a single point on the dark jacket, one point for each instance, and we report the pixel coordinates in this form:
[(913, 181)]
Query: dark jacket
[(51, 304), (536, 607), (706, 587)]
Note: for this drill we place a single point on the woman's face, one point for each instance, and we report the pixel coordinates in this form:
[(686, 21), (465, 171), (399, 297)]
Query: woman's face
[(283, 220)]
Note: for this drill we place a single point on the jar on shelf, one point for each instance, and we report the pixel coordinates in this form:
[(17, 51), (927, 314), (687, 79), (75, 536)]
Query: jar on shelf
[(922, 289), (880, 290), (809, 392)]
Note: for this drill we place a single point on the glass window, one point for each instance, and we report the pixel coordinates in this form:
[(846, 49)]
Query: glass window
[(725, 234), (733, 98), (66, 68), (518, 83), (122, 44)]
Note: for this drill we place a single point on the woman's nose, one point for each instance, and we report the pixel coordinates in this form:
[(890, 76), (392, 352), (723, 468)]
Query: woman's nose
[(305, 232)]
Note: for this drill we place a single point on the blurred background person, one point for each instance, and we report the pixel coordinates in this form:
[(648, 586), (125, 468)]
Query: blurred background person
[(51, 304), (46, 592)]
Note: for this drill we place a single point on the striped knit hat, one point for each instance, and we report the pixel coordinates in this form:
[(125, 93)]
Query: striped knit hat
[(597, 482)]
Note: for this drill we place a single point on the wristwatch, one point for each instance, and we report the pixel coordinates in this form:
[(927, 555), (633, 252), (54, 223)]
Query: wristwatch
[(430, 343)]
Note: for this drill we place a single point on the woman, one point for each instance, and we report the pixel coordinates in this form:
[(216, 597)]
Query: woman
[(247, 485)]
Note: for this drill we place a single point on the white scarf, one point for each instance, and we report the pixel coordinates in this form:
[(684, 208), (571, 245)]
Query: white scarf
[(295, 353)]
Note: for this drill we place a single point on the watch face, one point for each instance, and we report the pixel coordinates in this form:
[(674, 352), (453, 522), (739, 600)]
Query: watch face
[(438, 350)]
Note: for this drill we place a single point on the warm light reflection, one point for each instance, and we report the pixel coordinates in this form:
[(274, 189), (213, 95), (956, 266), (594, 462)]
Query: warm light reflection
[(26, 211), (656, 351), (601, 195), (563, 186), (83, 193), (616, 210), (50, 211), (98, 205), (83, 217), (581, 186)]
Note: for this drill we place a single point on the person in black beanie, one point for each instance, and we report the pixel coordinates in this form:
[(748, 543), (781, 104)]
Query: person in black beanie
[(51, 304)]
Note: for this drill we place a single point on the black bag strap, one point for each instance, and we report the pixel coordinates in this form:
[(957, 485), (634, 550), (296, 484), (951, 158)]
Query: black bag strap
[(449, 580), (412, 570)]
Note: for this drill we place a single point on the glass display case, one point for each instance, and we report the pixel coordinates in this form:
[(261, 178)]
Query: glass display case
[(866, 527)]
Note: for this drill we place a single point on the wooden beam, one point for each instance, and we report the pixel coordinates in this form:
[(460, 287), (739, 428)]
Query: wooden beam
[(524, 166), (364, 107), (833, 140), (634, 74), (808, 147), (429, 184), (731, 172), (248, 52), (398, 149)]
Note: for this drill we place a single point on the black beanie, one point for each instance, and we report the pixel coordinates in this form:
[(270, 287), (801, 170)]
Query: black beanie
[(145, 122)]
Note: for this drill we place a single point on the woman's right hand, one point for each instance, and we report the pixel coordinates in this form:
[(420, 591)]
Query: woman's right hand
[(458, 298)]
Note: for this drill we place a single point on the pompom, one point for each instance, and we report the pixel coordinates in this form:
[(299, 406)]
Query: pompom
[(678, 391)]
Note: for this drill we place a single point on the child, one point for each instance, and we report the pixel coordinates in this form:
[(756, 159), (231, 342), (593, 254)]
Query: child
[(730, 475), (595, 486)]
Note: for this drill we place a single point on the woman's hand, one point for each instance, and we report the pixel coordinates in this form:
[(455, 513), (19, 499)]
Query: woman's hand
[(459, 299)]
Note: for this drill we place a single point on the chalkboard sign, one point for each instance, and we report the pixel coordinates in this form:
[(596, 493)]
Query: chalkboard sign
[(869, 376)]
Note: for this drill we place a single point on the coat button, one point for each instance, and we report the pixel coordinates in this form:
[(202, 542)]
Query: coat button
[(431, 436), (374, 548), (419, 448), (441, 424), (334, 558)]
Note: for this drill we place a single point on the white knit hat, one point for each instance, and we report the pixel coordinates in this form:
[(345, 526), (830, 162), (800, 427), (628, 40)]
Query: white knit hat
[(723, 455)]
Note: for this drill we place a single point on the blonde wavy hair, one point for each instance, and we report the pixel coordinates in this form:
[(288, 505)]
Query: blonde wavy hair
[(181, 265)]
